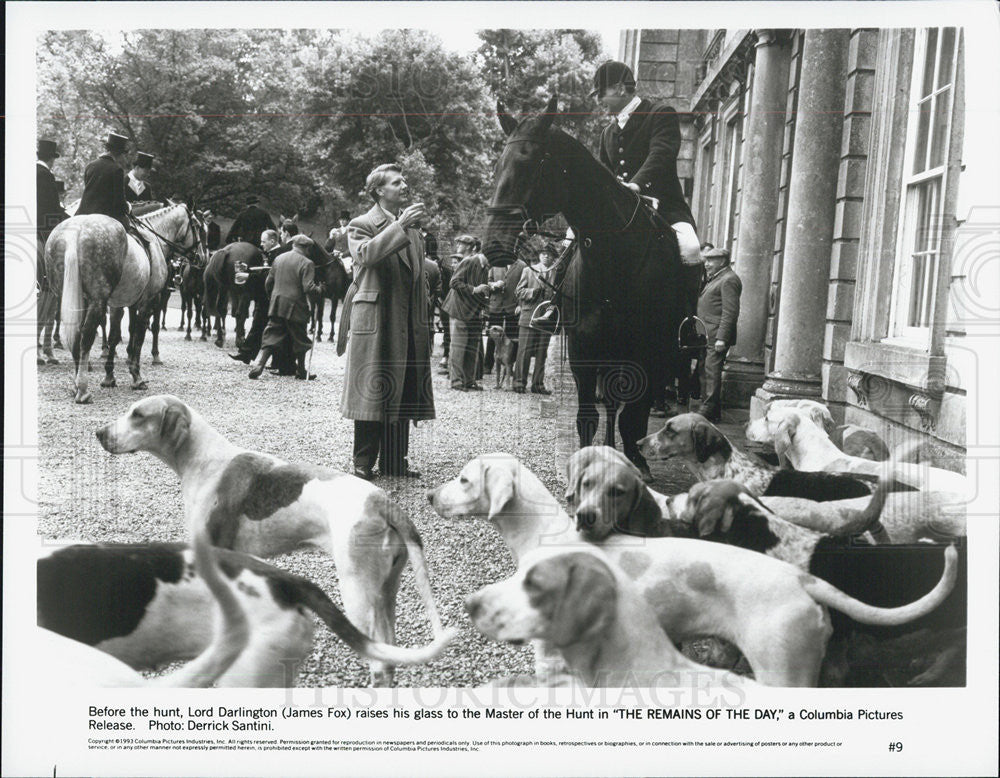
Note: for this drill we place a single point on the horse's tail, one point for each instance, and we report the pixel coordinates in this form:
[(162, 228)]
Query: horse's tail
[(72, 306)]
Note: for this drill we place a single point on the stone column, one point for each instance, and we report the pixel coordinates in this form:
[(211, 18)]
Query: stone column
[(812, 192), (758, 211)]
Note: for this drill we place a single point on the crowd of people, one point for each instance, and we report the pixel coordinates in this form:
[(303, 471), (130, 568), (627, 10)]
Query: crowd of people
[(401, 288)]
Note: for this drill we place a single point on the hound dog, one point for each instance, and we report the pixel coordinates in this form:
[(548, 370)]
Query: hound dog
[(799, 431), (707, 454), (582, 603), (69, 662), (262, 505), (147, 605), (606, 494), (884, 575), (774, 613), (505, 349)]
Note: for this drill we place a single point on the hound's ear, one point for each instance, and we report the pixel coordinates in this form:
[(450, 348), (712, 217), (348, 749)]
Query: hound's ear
[(784, 434), (507, 122), (175, 424), (707, 440), (588, 601), (551, 108), (645, 515), (821, 417), (499, 483), (575, 468)]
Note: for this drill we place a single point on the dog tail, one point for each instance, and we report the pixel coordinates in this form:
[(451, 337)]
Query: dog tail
[(400, 522), (231, 635), (72, 306), (314, 598), (868, 520), (827, 594)]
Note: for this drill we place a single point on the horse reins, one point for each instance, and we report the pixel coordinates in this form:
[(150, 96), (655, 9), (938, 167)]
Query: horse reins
[(182, 250)]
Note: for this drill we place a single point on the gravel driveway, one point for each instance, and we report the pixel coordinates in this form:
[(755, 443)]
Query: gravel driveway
[(87, 494)]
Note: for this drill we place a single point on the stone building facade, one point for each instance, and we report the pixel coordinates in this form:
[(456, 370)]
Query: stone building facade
[(839, 168)]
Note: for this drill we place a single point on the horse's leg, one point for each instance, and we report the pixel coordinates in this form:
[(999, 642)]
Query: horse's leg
[(114, 338), (333, 319), (156, 336), (81, 350), (242, 312), (320, 313), (587, 417), (186, 307), (220, 318), (104, 334), (138, 321)]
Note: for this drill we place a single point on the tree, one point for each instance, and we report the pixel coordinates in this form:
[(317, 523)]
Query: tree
[(525, 67), (216, 108), (402, 97)]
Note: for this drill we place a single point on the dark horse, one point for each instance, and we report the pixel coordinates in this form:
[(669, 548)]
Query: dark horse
[(221, 287), (191, 284), (621, 291), (331, 272)]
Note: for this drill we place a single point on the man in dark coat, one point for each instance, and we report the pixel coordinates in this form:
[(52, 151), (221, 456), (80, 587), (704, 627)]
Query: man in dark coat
[(466, 301), (387, 382), (213, 232), (137, 189), (719, 308), (289, 281), (640, 145), (250, 223), (256, 290), (48, 213), (534, 288), (104, 182), (502, 305)]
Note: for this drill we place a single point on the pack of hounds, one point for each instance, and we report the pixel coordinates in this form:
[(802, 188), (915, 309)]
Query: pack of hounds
[(836, 571)]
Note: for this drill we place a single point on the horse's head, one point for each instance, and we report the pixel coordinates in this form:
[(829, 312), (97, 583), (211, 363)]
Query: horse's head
[(522, 190), (196, 236)]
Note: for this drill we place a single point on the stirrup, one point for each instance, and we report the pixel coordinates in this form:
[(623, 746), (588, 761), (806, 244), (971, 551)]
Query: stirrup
[(692, 334), (545, 318)]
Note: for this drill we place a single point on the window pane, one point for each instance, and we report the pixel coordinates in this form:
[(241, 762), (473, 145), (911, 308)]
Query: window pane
[(939, 140), (930, 56), (924, 255), (920, 146), (947, 55)]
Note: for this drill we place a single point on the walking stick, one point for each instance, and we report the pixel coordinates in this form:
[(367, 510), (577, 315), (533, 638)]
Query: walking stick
[(311, 348)]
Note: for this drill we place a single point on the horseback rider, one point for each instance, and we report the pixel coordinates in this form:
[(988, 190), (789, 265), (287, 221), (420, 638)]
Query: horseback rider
[(250, 223), (48, 213), (640, 145), (138, 189), (104, 188), (338, 243)]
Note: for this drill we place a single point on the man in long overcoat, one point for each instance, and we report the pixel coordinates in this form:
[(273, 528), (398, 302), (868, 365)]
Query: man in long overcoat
[(719, 308), (290, 280), (387, 383)]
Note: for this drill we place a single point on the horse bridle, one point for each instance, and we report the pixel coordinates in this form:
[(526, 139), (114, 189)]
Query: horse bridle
[(191, 228)]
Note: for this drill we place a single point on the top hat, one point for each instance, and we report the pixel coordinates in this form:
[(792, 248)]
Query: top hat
[(142, 159), (116, 144), (612, 73), (47, 149), (252, 200), (345, 214)]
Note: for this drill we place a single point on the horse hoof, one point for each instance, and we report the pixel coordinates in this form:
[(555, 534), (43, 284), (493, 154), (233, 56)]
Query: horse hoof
[(219, 343), (109, 382), (84, 398), (157, 361), (188, 336), (139, 386), (181, 328)]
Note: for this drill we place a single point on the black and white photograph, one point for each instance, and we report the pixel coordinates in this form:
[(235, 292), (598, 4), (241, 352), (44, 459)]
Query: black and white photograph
[(480, 384)]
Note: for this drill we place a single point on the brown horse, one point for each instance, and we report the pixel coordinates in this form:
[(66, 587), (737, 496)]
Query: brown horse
[(94, 263)]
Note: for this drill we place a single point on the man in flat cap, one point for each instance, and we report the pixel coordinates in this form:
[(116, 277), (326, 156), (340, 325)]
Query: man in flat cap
[(48, 213), (104, 182), (290, 280), (138, 189), (250, 223)]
